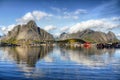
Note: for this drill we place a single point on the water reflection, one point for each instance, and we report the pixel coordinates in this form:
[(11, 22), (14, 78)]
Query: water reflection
[(51, 63), (91, 57), (28, 56)]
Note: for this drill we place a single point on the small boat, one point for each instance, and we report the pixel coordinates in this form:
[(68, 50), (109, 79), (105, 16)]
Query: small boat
[(117, 45), (87, 45), (100, 46), (108, 45)]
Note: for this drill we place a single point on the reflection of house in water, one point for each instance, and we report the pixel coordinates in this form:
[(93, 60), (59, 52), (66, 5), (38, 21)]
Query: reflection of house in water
[(28, 56), (91, 57)]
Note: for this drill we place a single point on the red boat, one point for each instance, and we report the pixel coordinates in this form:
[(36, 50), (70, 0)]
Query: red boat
[(87, 45)]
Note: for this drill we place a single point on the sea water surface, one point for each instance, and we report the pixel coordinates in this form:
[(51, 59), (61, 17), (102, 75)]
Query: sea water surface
[(59, 63)]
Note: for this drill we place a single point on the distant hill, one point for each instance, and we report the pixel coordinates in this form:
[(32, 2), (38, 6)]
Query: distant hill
[(28, 32), (90, 36)]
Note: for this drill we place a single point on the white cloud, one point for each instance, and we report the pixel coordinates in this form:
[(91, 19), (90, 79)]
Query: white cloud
[(34, 15), (57, 34), (74, 14), (5, 29), (70, 17), (64, 29), (75, 17), (65, 14), (39, 15), (116, 18), (27, 17), (80, 11), (50, 28), (118, 35), (100, 24), (56, 9), (10, 27)]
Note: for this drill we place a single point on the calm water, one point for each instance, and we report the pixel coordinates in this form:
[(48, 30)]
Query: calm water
[(48, 63)]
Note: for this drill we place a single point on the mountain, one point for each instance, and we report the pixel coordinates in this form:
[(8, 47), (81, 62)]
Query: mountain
[(28, 32), (90, 36)]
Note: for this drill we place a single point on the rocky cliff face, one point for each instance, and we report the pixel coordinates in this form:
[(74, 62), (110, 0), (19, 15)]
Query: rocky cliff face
[(29, 31), (91, 36)]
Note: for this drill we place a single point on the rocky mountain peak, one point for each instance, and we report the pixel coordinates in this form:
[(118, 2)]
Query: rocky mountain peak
[(110, 33), (91, 36), (63, 34), (88, 30), (31, 23), (29, 31)]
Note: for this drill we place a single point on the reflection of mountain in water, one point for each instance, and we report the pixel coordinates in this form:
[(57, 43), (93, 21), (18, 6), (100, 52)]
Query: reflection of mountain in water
[(90, 57), (28, 56)]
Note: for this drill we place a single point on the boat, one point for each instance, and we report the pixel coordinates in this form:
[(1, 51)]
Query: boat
[(87, 45)]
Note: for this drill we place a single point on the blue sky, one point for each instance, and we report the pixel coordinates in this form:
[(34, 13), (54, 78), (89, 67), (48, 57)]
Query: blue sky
[(57, 16)]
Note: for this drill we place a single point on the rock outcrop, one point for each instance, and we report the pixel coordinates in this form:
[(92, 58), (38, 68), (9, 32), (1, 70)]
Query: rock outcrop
[(91, 36), (28, 32)]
